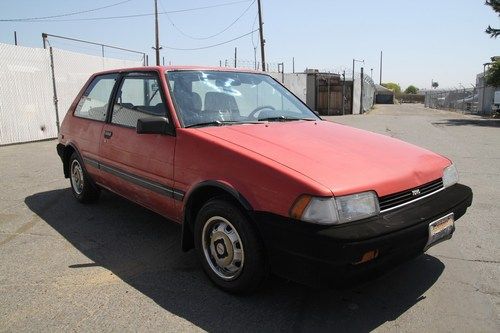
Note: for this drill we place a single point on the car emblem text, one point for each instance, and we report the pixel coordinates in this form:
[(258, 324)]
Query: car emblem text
[(415, 192)]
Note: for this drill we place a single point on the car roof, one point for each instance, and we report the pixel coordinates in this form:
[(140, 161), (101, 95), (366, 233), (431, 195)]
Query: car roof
[(180, 68)]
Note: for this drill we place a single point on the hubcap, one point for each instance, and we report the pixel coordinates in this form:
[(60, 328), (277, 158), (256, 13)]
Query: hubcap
[(223, 248), (77, 177)]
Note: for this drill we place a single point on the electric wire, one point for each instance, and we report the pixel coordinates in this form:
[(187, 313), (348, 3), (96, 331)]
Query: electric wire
[(65, 14), (206, 37), (210, 46), (128, 16)]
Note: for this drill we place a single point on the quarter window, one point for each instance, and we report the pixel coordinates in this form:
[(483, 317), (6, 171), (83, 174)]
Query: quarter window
[(95, 99), (139, 97)]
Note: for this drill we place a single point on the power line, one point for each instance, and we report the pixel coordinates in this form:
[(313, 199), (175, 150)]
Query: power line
[(65, 14), (210, 46), (129, 16), (211, 36)]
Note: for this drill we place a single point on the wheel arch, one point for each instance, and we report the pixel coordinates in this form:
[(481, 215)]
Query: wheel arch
[(197, 196), (65, 152)]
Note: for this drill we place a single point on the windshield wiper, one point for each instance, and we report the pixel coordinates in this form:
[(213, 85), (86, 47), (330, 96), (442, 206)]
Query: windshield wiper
[(283, 118), (221, 123)]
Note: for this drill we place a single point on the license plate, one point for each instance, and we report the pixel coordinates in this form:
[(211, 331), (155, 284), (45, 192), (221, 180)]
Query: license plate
[(440, 230)]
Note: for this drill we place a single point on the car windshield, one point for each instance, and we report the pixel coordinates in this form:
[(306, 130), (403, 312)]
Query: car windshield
[(214, 98)]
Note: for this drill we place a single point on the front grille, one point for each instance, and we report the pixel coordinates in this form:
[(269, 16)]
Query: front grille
[(390, 201)]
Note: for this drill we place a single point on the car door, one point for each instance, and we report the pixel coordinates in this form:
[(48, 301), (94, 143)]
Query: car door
[(89, 118), (139, 166)]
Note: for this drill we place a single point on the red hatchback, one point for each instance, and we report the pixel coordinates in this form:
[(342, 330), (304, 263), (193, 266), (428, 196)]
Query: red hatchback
[(258, 181)]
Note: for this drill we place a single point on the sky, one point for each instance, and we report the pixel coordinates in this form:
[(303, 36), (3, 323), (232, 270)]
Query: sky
[(421, 40)]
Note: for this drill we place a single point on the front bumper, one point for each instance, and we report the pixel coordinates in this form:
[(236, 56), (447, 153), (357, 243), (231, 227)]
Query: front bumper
[(311, 253)]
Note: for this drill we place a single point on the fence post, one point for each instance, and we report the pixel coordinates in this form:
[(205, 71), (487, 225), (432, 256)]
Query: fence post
[(362, 86), (54, 87), (44, 39), (343, 92)]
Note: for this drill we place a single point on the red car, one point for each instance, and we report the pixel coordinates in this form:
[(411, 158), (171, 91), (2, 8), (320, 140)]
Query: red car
[(258, 181)]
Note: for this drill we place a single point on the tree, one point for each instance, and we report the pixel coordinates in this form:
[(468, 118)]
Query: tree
[(495, 5), (411, 90), (392, 86), (435, 84), (493, 74)]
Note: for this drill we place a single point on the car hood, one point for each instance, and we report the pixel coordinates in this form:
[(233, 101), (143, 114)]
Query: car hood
[(343, 159)]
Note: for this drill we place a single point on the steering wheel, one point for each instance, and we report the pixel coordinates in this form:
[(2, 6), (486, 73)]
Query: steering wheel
[(260, 108)]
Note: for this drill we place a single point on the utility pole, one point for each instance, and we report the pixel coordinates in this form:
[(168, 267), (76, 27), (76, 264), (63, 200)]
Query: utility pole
[(157, 36), (235, 57), (262, 40), (371, 73), (15, 37), (380, 68), (293, 64)]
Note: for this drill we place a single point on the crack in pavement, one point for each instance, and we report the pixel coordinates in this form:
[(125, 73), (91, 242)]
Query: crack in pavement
[(472, 260)]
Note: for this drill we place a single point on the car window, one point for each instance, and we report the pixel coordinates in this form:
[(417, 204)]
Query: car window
[(139, 96), (213, 97), (94, 102)]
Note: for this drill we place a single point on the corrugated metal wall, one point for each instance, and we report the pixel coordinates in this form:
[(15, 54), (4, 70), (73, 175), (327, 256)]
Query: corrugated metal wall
[(27, 111)]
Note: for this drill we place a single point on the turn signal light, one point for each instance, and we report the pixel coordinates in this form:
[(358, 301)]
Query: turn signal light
[(300, 206), (367, 256)]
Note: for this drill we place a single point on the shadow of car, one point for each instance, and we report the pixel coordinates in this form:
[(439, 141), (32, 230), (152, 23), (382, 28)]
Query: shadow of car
[(143, 250)]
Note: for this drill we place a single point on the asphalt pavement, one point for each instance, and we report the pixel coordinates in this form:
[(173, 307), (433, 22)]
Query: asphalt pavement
[(115, 266)]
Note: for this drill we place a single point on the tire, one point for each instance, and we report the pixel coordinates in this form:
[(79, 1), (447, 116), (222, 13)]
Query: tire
[(231, 253), (82, 187)]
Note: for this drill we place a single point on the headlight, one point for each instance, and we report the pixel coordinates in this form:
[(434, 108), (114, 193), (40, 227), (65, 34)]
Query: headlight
[(335, 210), (357, 206), (450, 176)]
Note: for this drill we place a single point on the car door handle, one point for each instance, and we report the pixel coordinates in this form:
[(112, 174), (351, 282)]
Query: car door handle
[(108, 134)]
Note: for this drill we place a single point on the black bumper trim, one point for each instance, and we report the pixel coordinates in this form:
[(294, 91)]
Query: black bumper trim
[(297, 249)]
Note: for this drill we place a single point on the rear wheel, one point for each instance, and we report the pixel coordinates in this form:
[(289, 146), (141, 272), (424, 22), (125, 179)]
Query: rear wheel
[(229, 248), (81, 186)]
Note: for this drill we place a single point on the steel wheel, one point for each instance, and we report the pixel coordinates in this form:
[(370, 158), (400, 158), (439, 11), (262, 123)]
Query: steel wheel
[(223, 248), (77, 181)]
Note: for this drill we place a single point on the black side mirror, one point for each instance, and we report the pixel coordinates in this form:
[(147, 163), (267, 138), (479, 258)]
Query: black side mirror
[(154, 125)]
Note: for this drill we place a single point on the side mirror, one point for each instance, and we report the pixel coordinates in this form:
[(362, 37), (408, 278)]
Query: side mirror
[(154, 125)]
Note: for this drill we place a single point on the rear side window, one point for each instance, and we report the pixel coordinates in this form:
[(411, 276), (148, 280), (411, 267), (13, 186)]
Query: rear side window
[(94, 102), (139, 96)]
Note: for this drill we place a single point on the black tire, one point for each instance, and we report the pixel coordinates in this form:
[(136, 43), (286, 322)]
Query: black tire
[(254, 268), (84, 191)]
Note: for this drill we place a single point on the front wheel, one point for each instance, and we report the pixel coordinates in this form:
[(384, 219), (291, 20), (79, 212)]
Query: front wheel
[(81, 187), (229, 248)]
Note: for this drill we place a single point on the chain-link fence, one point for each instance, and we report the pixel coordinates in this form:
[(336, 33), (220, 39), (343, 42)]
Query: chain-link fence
[(252, 64), (368, 94), (39, 85), (465, 100)]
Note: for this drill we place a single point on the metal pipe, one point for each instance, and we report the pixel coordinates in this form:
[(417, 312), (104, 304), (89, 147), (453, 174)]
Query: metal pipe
[(45, 35), (44, 39), (54, 88)]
